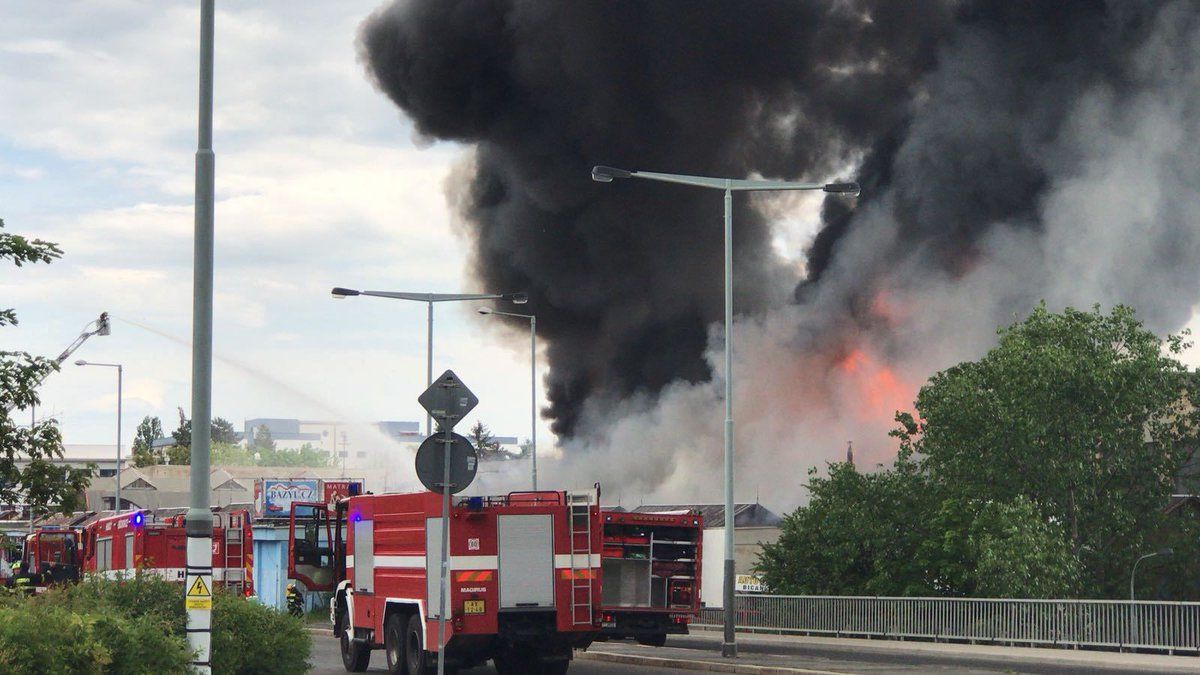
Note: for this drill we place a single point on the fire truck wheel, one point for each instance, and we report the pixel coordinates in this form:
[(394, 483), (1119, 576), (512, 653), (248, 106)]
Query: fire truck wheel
[(393, 642), (655, 640), (356, 656), (414, 648)]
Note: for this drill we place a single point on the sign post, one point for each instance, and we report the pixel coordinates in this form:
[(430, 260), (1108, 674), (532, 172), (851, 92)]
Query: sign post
[(447, 400)]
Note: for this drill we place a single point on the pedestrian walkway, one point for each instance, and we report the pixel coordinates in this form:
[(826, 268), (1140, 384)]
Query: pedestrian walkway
[(773, 654)]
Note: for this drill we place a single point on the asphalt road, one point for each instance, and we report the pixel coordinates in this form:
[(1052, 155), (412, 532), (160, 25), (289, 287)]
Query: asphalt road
[(327, 660)]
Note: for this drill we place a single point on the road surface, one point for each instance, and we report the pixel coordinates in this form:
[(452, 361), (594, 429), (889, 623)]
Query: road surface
[(327, 660)]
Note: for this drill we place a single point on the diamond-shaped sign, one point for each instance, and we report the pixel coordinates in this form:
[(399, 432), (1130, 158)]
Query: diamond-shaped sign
[(448, 400)]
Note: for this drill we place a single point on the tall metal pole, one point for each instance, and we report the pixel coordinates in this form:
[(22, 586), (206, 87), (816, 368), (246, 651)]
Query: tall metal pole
[(199, 517), (445, 581), (533, 395), (120, 373), (729, 645), (429, 368)]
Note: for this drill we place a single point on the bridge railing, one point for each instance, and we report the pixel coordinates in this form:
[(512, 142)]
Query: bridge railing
[(1169, 626)]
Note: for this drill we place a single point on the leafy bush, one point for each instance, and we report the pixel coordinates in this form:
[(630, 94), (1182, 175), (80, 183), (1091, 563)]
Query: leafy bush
[(141, 644), (32, 641), (251, 638), (136, 627), (145, 595)]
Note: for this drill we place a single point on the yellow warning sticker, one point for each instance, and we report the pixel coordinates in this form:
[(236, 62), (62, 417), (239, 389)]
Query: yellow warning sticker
[(198, 596), (198, 589), (197, 603)]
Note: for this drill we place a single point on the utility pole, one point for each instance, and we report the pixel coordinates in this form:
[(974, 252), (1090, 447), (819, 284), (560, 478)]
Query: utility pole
[(199, 527)]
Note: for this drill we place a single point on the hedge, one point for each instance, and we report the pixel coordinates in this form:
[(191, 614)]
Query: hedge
[(137, 626)]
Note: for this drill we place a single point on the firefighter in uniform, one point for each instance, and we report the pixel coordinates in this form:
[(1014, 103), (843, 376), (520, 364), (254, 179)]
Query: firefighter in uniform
[(295, 601)]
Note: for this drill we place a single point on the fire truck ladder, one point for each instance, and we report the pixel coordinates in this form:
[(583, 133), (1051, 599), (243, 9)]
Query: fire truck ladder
[(580, 504), (235, 555)]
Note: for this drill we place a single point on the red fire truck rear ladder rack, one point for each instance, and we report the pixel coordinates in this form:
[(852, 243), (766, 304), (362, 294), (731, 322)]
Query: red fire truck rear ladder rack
[(235, 553), (582, 583)]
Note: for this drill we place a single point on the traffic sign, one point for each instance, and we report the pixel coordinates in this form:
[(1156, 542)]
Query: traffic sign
[(448, 400), (431, 467)]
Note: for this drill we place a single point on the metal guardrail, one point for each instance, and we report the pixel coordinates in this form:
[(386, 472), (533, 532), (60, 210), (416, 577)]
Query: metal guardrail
[(1167, 626)]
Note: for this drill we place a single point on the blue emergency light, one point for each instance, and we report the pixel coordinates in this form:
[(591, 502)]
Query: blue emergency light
[(137, 519)]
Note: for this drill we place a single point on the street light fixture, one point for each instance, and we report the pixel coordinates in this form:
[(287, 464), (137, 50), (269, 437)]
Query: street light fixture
[(1133, 575), (606, 174), (340, 293), (120, 377), (532, 383)]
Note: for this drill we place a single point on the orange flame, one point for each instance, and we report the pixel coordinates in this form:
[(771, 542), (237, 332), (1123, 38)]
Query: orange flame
[(875, 386)]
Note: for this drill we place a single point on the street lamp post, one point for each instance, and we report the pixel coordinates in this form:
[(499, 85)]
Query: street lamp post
[(120, 377), (532, 383), (430, 298), (1132, 576), (606, 174)]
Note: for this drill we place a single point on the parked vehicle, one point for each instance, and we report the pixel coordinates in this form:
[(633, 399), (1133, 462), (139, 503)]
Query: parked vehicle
[(118, 545), (650, 574), (524, 577), (52, 555)]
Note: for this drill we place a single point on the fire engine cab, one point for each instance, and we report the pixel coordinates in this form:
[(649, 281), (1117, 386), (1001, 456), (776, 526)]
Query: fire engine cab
[(524, 577), (52, 554), (117, 545), (651, 571)]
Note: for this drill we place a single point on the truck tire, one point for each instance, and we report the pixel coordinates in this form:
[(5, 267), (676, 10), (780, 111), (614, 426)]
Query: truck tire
[(414, 648), (394, 642), (356, 656), (654, 640)]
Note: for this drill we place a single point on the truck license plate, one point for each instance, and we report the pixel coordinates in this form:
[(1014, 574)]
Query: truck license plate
[(473, 607)]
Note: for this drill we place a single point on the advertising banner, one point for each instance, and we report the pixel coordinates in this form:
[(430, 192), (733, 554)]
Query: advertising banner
[(339, 489), (278, 495)]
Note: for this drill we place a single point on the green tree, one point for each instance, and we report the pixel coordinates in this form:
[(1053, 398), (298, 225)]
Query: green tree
[(1086, 414), (229, 454), (180, 450), (262, 439), (1040, 470), (305, 455), (223, 431), (484, 442), (858, 535), (27, 454), (144, 452)]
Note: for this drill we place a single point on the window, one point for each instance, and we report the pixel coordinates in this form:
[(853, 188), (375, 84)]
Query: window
[(129, 551), (103, 554)]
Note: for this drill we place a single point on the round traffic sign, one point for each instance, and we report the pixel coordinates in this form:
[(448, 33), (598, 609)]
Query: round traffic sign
[(430, 463)]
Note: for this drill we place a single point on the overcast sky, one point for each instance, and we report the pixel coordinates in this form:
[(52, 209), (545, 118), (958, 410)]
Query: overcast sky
[(319, 183)]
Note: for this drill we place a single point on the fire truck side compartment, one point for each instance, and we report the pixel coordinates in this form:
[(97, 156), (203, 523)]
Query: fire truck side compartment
[(526, 561)]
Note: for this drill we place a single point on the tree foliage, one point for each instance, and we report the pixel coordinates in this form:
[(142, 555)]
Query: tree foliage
[(262, 440), (144, 453), (1042, 469), (484, 441), (28, 472), (235, 455)]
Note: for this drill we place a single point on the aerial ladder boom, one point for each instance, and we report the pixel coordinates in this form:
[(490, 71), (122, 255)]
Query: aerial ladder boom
[(100, 326)]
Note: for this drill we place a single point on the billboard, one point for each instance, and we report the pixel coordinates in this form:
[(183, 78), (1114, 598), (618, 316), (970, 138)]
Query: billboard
[(338, 489), (278, 495)]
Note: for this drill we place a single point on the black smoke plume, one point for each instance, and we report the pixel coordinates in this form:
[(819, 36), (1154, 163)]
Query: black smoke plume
[(979, 130)]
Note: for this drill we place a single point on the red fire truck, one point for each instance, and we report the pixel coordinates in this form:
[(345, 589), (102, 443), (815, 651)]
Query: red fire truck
[(651, 572), (117, 545), (524, 577), (52, 555)]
